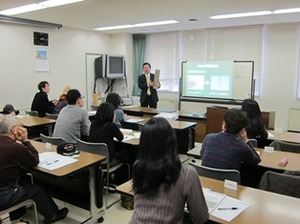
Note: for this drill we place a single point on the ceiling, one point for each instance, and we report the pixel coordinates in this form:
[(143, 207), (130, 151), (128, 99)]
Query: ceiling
[(90, 14)]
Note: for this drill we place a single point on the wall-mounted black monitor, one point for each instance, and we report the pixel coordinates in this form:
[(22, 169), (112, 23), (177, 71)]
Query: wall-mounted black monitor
[(115, 66), (100, 63)]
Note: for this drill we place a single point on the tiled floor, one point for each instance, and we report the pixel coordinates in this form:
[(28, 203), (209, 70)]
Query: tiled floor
[(114, 215)]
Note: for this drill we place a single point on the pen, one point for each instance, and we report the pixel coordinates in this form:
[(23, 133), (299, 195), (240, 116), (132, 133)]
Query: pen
[(52, 162), (231, 208)]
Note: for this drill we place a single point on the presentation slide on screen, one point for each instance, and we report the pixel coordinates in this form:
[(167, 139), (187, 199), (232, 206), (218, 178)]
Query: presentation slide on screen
[(210, 79)]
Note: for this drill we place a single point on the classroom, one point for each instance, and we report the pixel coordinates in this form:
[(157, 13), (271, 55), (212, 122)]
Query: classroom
[(271, 41)]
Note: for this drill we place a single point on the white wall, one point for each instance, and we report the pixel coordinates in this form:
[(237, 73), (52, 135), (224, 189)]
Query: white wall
[(67, 49)]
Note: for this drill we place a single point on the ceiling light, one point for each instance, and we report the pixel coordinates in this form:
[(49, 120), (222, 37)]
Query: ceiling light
[(237, 15), (37, 6), (158, 23), (292, 10)]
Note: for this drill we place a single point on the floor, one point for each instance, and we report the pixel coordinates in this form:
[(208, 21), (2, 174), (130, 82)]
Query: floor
[(114, 215)]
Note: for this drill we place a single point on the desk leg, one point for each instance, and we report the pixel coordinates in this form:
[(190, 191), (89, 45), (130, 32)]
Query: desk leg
[(96, 213), (50, 130), (191, 138)]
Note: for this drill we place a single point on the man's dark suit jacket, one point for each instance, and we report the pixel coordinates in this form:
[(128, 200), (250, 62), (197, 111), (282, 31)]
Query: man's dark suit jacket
[(142, 82)]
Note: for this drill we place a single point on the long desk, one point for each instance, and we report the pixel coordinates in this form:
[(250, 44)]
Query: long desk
[(85, 161), (32, 121), (265, 207), (183, 129), (268, 160), (285, 136), (198, 118)]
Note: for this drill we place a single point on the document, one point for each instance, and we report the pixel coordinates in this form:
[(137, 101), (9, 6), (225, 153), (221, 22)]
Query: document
[(156, 79), (126, 131), (229, 208), (52, 160), (172, 116), (270, 136), (134, 120), (212, 199)]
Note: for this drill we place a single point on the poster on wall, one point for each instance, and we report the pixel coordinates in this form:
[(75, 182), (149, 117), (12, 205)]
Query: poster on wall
[(41, 60)]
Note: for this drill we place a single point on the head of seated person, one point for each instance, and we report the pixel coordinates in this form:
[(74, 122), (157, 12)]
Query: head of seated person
[(74, 98), (9, 109), (234, 121), (114, 99), (251, 107)]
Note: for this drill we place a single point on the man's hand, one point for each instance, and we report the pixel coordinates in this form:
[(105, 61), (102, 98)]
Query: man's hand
[(243, 135), (21, 134)]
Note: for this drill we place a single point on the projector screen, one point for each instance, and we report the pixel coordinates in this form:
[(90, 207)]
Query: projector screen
[(217, 80)]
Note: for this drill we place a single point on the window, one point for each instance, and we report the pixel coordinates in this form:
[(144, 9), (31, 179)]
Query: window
[(162, 53)]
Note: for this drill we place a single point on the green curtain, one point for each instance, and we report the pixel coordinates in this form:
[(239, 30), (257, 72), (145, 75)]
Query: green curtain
[(139, 43)]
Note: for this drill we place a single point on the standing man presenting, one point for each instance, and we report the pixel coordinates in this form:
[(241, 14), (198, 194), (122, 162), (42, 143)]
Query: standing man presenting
[(146, 83)]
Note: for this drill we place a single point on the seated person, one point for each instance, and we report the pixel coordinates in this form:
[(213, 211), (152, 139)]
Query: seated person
[(62, 101), (40, 102), (72, 122), (116, 100), (161, 185), (9, 109), (256, 128), (13, 156), (229, 148), (104, 130)]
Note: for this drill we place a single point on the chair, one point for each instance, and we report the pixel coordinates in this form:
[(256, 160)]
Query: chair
[(285, 146), (51, 116), (219, 174), (32, 113), (94, 107), (253, 142), (282, 183), (127, 101), (52, 140), (26, 203), (101, 149)]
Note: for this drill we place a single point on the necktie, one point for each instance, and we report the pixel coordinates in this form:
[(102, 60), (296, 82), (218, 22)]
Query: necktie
[(148, 80)]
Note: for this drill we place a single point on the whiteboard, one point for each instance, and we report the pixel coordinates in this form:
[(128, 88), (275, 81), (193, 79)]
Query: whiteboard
[(241, 85)]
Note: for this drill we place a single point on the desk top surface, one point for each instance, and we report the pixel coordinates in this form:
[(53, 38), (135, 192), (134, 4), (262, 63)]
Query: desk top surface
[(153, 111), (85, 159), (269, 160), (265, 207), (285, 136), (30, 121), (174, 123)]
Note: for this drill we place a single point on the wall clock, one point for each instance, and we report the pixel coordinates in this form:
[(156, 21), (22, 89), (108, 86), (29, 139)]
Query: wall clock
[(40, 39)]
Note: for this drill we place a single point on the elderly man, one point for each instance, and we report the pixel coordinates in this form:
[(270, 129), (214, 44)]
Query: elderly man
[(13, 156)]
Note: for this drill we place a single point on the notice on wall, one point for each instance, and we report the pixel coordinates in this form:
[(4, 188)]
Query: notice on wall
[(41, 60)]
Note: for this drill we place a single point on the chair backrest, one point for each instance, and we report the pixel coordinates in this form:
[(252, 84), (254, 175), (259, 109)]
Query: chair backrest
[(253, 142), (281, 183), (127, 101), (94, 107), (51, 116), (32, 113), (285, 146), (96, 148), (219, 174), (53, 140)]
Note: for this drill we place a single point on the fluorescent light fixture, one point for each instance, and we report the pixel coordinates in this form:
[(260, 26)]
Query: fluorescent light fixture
[(158, 23), (237, 15), (37, 6), (292, 10), (29, 22)]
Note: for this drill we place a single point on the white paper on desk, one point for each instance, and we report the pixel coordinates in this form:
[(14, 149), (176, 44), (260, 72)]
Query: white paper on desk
[(212, 199), (52, 160), (92, 112), (229, 202), (270, 135), (134, 120), (137, 134), (126, 137), (126, 131)]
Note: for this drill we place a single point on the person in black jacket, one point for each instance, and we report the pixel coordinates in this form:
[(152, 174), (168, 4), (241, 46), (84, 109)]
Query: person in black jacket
[(41, 102), (256, 128), (146, 83), (104, 130)]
